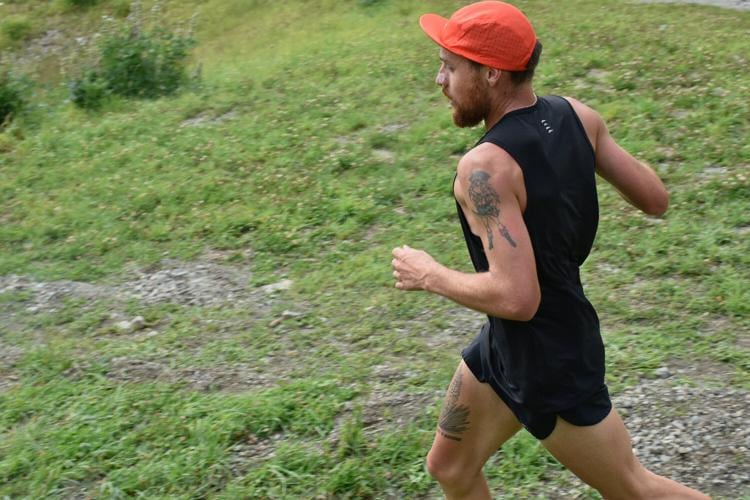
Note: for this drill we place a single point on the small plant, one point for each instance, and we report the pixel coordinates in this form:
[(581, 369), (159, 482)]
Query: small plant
[(16, 28), (88, 91), (12, 98)]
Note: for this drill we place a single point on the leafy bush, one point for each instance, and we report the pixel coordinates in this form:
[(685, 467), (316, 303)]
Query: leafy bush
[(132, 61), (121, 8), (16, 28), (144, 64), (88, 91), (12, 98)]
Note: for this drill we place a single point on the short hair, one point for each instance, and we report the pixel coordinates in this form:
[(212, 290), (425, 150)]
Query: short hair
[(519, 77)]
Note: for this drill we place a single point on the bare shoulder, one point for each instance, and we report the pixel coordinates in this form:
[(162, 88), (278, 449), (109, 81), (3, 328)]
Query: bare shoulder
[(488, 166), (591, 120), (492, 160), (583, 111)]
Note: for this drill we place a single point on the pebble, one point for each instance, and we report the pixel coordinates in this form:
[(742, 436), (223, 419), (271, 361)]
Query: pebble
[(277, 287), (129, 326), (138, 323)]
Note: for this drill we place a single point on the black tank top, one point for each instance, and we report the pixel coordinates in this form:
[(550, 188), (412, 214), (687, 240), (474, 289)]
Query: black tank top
[(556, 360)]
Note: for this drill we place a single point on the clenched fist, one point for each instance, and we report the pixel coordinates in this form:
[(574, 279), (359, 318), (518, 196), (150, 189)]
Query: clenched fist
[(411, 268)]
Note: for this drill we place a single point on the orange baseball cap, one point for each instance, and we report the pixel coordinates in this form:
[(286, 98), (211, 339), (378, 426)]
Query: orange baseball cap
[(495, 34)]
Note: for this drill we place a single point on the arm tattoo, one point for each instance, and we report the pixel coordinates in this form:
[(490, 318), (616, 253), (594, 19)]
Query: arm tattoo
[(454, 419), (486, 202)]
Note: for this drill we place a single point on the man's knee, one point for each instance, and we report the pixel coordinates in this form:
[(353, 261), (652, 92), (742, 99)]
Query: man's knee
[(450, 471)]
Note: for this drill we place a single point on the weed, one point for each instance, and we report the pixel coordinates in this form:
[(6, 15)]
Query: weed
[(16, 28), (13, 96)]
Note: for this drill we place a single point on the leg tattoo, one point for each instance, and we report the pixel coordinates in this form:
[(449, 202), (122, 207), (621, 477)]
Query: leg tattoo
[(454, 419)]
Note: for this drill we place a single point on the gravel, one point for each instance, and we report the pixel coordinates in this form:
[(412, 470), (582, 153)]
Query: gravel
[(695, 433), (190, 284), (184, 283)]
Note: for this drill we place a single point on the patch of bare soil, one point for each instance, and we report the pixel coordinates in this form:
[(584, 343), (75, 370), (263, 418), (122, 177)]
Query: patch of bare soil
[(204, 283), (462, 325), (189, 283), (46, 297), (184, 283), (9, 355), (234, 378), (382, 411)]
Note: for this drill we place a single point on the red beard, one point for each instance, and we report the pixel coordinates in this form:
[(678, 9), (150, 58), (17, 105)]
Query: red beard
[(471, 109)]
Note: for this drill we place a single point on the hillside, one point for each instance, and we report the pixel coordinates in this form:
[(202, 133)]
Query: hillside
[(195, 290)]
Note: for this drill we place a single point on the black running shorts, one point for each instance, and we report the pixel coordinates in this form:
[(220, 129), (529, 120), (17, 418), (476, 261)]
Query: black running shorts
[(589, 412)]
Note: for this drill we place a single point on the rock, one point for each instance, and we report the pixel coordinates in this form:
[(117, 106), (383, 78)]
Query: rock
[(137, 323), (663, 372), (123, 326), (384, 155), (276, 322), (276, 287)]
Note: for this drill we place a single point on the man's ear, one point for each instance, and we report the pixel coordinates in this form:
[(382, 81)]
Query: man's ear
[(493, 75)]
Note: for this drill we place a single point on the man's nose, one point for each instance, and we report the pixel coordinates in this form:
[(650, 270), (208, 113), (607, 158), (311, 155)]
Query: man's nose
[(440, 78)]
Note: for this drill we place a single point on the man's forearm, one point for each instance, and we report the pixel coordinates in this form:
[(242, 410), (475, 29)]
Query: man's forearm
[(484, 292)]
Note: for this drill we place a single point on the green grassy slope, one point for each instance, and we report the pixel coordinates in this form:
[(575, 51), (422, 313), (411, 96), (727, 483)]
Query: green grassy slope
[(315, 142)]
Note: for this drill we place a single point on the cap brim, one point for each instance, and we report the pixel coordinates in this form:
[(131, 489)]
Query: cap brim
[(433, 25)]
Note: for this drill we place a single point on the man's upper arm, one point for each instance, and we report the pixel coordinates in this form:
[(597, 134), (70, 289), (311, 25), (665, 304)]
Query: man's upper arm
[(491, 192)]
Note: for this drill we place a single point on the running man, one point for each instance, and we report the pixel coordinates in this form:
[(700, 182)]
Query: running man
[(527, 204)]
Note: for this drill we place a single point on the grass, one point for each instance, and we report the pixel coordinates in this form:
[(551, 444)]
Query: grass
[(279, 177)]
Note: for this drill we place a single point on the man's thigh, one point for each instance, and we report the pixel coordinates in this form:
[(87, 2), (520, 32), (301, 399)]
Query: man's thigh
[(601, 454), (473, 424)]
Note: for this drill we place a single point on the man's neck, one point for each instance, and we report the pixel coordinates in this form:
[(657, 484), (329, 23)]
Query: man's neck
[(511, 100)]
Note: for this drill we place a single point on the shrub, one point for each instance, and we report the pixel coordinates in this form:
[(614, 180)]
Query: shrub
[(11, 97), (121, 8), (131, 61), (144, 64), (16, 28), (88, 91)]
